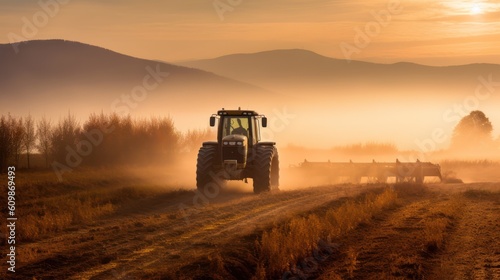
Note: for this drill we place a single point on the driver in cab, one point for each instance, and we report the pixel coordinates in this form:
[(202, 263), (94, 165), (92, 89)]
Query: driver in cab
[(240, 130)]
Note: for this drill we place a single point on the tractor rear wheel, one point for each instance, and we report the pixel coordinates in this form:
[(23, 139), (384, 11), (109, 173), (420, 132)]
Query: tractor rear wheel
[(205, 171), (266, 169)]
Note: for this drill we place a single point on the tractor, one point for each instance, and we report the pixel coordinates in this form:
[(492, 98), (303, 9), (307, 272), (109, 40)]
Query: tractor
[(238, 153)]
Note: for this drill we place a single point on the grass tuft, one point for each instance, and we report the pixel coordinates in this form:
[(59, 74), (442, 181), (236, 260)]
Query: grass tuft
[(281, 248), (439, 221), (351, 261), (434, 232), (46, 206)]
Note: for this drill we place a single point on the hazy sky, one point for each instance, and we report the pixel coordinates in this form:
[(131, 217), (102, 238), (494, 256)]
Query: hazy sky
[(430, 32)]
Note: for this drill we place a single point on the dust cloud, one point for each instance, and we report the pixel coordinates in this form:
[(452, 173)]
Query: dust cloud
[(319, 109)]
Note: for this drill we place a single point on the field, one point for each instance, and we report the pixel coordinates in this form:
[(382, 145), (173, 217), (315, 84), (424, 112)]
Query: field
[(358, 139), (128, 224)]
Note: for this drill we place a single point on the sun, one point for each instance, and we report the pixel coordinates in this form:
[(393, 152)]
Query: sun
[(476, 9)]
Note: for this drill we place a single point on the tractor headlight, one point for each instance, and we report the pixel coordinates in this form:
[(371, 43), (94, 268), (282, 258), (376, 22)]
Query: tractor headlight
[(239, 143), (226, 143)]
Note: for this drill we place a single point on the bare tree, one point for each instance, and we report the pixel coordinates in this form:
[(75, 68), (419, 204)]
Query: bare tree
[(29, 136), (65, 135), (11, 136), (193, 139), (5, 142), (44, 132), (17, 130)]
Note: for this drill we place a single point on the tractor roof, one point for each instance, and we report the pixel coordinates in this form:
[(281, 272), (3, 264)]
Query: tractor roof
[(237, 113)]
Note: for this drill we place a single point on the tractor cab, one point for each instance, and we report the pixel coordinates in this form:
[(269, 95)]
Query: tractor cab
[(239, 122), (239, 152)]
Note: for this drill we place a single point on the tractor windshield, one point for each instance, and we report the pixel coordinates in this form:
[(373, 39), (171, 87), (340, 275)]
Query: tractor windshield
[(235, 125)]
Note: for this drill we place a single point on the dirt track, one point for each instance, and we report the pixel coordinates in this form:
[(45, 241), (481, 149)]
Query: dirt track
[(147, 236), (158, 238), (473, 251), (394, 245)]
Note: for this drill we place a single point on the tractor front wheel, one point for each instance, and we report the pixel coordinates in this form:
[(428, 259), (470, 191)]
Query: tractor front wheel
[(266, 169), (205, 171)]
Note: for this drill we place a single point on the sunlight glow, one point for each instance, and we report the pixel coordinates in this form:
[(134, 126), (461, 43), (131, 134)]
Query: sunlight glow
[(476, 9)]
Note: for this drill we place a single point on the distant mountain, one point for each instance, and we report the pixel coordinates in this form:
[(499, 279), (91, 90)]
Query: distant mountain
[(64, 75), (285, 70), (309, 99)]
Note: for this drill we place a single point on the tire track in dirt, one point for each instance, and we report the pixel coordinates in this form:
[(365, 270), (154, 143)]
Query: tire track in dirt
[(388, 247), (215, 228), (395, 245), (385, 253), (473, 251), (133, 243), (83, 246)]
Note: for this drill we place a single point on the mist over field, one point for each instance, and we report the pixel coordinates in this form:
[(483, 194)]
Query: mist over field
[(312, 101), (250, 139)]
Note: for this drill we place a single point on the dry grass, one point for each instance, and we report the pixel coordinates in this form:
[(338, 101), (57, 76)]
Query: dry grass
[(410, 190), (434, 232), (29, 254), (217, 269), (481, 194), (284, 246), (446, 271), (46, 206), (439, 221), (260, 272), (351, 261), (332, 276), (53, 215), (404, 265)]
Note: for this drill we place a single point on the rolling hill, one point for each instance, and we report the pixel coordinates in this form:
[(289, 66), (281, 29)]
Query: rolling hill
[(48, 76), (289, 70), (404, 102), (331, 100)]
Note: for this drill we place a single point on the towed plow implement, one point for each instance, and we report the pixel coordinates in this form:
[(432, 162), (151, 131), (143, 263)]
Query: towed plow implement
[(374, 172)]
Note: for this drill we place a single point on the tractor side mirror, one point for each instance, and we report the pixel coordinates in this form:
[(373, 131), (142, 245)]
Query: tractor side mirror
[(212, 121), (264, 122)]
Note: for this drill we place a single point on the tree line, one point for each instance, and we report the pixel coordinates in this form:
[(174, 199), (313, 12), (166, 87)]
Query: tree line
[(103, 139), (107, 139)]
